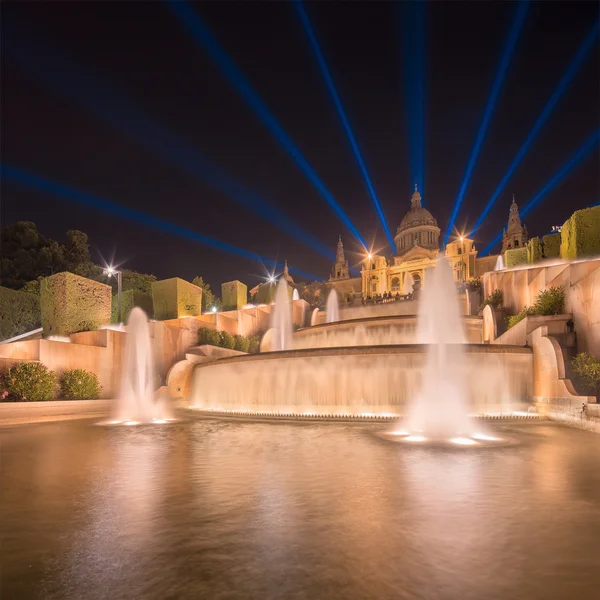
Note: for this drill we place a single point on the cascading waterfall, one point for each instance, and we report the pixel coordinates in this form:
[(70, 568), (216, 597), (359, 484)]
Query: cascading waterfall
[(333, 308)]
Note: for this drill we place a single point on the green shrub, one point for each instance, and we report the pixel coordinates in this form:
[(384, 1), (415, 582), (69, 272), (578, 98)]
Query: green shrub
[(550, 301), (551, 245), (580, 235), (474, 285), (515, 257), (527, 311), (209, 337), (495, 299), (226, 340), (19, 313), (29, 382), (254, 346), (79, 384), (588, 368), (534, 250), (241, 343)]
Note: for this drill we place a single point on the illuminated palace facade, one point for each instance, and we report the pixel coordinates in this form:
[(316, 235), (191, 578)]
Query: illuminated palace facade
[(417, 248)]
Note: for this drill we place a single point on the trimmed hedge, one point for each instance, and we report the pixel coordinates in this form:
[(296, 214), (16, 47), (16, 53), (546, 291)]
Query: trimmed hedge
[(551, 245), (251, 345), (174, 298), (580, 235), (70, 303), (534, 250), (515, 257), (129, 300), (234, 294), (20, 313), (79, 384), (29, 382)]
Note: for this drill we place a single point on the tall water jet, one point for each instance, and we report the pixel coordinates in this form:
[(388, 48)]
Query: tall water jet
[(440, 409), (295, 295), (333, 308), (314, 317), (136, 402), (407, 286), (499, 263), (281, 319)]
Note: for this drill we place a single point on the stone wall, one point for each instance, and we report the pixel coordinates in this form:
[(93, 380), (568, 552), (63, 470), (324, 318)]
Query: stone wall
[(581, 281)]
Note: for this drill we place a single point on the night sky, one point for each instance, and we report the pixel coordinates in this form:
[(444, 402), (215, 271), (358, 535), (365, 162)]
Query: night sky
[(141, 51)]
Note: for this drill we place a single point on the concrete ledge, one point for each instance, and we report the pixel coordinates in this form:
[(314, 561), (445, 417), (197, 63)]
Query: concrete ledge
[(14, 413)]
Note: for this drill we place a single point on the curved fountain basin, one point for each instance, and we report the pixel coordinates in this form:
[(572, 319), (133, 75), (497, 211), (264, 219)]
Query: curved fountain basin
[(372, 381), (374, 331)]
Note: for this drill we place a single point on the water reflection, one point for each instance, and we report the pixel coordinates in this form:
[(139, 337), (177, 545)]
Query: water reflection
[(217, 509)]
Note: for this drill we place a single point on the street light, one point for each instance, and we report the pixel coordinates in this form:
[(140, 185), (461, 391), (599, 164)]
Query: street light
[(110, 271), (369, 257), (462, 258)]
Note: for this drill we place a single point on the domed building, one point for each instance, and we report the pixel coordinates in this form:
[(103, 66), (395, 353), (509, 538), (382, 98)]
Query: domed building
[(417, 242), (418, 228)]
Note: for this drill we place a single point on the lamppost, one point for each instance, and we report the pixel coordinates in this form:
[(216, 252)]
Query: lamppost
[(463, 268), (369, 257), (110, 271)]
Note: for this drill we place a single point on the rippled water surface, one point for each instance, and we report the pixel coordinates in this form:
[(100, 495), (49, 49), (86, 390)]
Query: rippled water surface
[(241, 510)]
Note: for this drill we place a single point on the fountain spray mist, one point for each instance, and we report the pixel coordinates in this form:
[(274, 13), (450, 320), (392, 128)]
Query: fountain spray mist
[(440, 410), (333, 308), (281, 320), (136, 402)]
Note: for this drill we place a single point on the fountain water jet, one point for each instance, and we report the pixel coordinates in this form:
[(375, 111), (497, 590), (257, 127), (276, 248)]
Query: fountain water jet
[(440, 411), (136, 402), (499, 263), (407, 286), (281, 320), (314, 317), (333, 308)]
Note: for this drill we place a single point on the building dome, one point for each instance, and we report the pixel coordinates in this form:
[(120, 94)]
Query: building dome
[(417, 229), (417, 215)]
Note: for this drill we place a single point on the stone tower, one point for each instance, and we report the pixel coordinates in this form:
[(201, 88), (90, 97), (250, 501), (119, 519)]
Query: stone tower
[(340, 267), (286, 274), (515, 235)]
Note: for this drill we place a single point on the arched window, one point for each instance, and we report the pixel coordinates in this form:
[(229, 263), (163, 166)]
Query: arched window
[(395, 284), (509, 245), (338, 274), (516, 243)]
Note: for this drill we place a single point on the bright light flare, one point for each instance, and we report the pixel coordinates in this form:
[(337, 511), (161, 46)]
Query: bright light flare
[(415, 438), (463, 441), (486, 438), (131, 423)]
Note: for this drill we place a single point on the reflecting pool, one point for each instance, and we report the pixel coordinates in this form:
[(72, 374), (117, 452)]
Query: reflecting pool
[(223, 509)]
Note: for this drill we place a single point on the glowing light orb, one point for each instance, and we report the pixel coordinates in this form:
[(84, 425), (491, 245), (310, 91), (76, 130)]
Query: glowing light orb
[(461, 441), (415, 438)]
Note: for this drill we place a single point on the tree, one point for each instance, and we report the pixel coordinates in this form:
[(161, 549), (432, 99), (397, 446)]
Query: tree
[(315, 292), (132, 280), (27, 255), (208, 298)]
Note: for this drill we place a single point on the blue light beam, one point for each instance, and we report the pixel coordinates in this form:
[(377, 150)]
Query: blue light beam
[(342, 115), (62, 75), (203, 36), (489, 109), (30, 180), (412, 15), (571, 71), (578, 157)]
